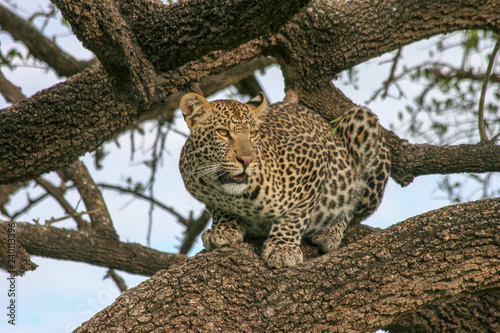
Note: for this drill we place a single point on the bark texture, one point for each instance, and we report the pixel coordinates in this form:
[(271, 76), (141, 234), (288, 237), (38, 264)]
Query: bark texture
[(403, 278), (57, 125), (85, 246)]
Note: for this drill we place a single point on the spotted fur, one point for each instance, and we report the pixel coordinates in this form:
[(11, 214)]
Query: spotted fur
[(277, 171)]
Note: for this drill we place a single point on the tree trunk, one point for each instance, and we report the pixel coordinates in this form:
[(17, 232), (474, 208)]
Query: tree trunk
[(435, 272)]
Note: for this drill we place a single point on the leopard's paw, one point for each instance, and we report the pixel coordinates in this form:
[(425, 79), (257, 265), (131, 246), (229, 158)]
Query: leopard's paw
[(219, 237), (327, 241), (281, 255)]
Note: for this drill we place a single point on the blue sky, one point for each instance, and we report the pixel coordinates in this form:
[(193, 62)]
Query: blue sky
[(60, 295)]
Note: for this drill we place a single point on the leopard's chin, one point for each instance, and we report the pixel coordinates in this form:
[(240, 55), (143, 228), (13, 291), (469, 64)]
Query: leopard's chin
[(232, 184)]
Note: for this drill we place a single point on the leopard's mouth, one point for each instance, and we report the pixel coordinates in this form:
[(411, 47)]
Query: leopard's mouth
[(225, 178)]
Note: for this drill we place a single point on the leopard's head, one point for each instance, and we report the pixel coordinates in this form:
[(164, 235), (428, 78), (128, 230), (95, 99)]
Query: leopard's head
[(225, 140)]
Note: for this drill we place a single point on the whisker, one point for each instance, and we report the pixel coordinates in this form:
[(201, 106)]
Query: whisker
[(205, 170)]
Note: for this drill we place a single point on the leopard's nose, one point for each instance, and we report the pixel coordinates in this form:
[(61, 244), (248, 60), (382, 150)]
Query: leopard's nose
[(245, 160)]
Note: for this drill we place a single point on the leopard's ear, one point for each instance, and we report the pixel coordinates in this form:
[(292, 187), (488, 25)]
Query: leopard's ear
[(195, 109), (258, 104)]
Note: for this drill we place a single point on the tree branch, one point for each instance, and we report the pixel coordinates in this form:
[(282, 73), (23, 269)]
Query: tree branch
[(11, 92), (417, 264), (94, 202), (40, 46), (58, 194), (209, 86), (5, 192), (90, 248), (102, 29), (92, 114), (411, 160), (117, 279), (481, 125), (462, 74), (355, 31), (193, 230), (13, 257)]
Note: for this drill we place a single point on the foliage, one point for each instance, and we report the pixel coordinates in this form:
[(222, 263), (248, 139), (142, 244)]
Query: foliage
[(441, 93)]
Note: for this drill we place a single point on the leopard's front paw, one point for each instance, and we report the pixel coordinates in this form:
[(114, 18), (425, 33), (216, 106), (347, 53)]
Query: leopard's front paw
[(219, 237), (281, 255)]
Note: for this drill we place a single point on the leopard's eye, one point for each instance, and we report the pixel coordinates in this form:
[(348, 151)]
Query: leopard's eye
[(223, 132), (254, 134)]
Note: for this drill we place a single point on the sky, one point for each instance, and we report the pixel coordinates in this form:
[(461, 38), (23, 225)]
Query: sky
[(59, 295)]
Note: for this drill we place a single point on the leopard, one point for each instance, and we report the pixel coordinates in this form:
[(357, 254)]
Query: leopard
[(278, 171)]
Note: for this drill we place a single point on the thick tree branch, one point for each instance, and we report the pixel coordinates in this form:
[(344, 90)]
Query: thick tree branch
[(13, 257), (51, 138), (103, 30), (56, 126), (90, 248), (209, 86), (411, 160), (427, 260), (40, 46), (354, 31), (195, 28)]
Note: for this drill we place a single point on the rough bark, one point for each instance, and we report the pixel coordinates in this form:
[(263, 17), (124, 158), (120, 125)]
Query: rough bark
[(348, 33), (399, 277), (209, 86), (412, 160), (88, 247), (56, 126), (13, 257)]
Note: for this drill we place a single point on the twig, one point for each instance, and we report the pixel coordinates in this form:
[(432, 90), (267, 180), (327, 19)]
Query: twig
[(462, 74), (58, 195), (482, 131), (181, 219), (157, 155), (393, 70), (390, 79), (31, 203), (54, 220), (120, 283), (195, 227)]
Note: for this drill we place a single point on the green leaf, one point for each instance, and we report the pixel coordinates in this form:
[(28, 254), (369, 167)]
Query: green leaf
[(339, 121)]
